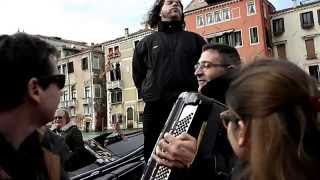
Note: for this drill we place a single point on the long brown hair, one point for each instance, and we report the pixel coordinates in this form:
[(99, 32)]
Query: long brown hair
[(274, 97)]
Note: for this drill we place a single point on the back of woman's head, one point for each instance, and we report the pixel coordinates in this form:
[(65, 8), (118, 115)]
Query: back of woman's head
[(279, 102)]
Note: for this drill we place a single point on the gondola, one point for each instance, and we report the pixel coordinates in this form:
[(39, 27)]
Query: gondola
[(116, 158)]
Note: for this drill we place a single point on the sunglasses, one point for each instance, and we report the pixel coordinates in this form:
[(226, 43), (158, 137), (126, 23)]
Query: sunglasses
[(58, 117), (229, 116), (58, 79)]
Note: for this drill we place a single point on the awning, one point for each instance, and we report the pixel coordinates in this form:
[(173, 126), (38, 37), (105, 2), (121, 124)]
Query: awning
[(219, 33)]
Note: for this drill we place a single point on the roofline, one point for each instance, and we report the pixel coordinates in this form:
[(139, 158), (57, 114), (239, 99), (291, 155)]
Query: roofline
[(210, 6), (63, 40), (288, 10), (81, 53), (132, 35)]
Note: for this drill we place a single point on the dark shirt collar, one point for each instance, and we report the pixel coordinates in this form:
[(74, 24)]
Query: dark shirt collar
[(170, 26)]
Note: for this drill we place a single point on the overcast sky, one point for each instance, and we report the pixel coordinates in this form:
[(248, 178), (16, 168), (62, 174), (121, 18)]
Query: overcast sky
[(80, 20)]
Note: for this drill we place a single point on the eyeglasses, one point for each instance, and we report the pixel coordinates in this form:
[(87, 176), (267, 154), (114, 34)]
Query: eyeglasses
[(207, 65), (228, 116), (58, 79)]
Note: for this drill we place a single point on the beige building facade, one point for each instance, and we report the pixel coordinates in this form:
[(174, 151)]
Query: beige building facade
[(124, 103), (84, 90), (296, 36)]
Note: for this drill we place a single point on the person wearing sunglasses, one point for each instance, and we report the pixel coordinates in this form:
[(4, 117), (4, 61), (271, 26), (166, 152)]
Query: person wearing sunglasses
[(273, 122), (78, 156), (216, 68), (29, 98)]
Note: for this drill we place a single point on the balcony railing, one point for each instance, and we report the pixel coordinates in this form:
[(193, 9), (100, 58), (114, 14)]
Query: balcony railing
[(114, 55), (87, 100), (114, 84)]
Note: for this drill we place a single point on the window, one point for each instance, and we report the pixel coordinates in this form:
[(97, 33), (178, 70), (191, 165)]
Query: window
[(95, 62), (217, 17), (84, 63), (70, 67), (73, 92), (254, 38), (318, 16), (233, 39), (139, 94), (115, 72), (59, 69), (278, 26), (226, 14), (238, 38), (311, 53), (110, 50), (306, 20), (64, 69), (72, 111), (116, 96), (140, 117), (251, 8), (281, 49), (65, 95), (97, 91), (116, 49), (209, 18), (314, 71), (118, 71), (87, 92), (200, 21), (87, 109)]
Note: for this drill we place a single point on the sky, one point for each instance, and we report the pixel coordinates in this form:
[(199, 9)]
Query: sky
[(91, 21)]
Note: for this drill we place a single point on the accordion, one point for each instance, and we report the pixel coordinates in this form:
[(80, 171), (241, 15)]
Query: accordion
[(189, 113)]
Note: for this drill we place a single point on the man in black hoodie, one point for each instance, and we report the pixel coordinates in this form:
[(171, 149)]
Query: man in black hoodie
[(163, 65), (216, 68)]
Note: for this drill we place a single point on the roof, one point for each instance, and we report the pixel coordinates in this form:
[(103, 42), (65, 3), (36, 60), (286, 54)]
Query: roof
[(297, 7), (195, 4), (132, 35), (54, 38)]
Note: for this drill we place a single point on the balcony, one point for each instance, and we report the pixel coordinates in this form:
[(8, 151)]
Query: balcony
[(87, 100), (114, 84), (72, 102), (114, 55)]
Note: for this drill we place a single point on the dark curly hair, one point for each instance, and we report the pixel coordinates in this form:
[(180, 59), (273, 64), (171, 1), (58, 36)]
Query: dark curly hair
[(154, 14)]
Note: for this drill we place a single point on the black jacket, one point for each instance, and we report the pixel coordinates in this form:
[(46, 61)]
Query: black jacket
[(37, 158), (215, 156), (163, 62)]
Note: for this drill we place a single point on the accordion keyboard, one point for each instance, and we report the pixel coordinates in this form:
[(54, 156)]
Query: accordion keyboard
[(180, 126)]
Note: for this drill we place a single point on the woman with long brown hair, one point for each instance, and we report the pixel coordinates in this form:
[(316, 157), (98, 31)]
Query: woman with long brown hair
[(273, 121)]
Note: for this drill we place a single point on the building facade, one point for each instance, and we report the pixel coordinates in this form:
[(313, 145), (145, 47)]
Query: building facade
[(243, 24), (296, 36), (84, 92), (125, 105)]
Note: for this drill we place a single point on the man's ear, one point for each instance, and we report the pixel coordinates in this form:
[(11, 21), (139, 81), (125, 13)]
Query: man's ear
[(33, 90), (243, 134)]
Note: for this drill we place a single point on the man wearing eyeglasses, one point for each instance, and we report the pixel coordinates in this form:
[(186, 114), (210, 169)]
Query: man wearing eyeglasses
[(216, 68), (162, 66), (28, 100)]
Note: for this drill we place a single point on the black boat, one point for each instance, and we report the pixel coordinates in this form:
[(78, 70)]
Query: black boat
[(116, 158)]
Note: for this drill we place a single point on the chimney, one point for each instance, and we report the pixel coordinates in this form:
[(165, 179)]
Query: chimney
[(126, 32)]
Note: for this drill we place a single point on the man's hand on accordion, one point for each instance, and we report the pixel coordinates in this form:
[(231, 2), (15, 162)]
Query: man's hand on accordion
[(177, 152)]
